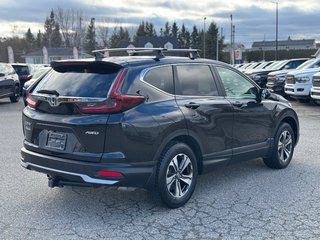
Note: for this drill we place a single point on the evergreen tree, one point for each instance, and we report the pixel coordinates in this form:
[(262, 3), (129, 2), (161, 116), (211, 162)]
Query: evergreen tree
[(30, 41), (184, 37), (38, 41), (145, 29), (52, 36), (211, 41), (167, 30), (90, 39), (174, 30), (56, 39), (118, 36), (150, 31), (194, 41), (141, 31)]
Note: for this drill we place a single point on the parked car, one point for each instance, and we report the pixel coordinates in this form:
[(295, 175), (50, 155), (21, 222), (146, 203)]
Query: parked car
[(151, 121), (39, 73), (9, 83), (24, 72), (261, 66), (276, 80), (299, 83), (315, 89), (260, 76)]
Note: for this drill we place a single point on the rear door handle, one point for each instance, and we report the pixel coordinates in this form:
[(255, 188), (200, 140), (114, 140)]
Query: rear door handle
[(192, 105)]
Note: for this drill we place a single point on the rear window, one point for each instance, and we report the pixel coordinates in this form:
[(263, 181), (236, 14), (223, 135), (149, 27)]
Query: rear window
[(21, 70), (84, 80)]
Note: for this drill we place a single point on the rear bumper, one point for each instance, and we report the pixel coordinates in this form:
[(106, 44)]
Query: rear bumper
[(86, 173)]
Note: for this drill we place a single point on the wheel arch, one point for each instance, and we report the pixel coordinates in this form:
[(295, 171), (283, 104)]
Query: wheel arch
[(292, 119), (183, 136)]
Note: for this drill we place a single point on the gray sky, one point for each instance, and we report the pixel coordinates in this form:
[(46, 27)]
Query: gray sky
[(253, 19)]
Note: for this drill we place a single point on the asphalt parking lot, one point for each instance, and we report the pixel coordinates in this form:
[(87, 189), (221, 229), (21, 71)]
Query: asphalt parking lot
[(244, 201)]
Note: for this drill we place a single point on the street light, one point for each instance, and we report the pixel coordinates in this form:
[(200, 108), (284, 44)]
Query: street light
[(277, 23), (204, 37)]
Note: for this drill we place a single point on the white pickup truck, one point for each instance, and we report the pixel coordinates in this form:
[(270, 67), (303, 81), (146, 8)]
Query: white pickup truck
[(298, 83), (315, 90)]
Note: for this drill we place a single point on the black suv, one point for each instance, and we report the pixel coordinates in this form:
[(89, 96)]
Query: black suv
[(151, 121), (9, 83)]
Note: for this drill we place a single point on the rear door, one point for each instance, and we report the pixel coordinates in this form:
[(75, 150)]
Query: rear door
[(64, 116), (208, 116)]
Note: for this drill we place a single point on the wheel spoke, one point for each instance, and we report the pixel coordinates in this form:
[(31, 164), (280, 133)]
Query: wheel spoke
[(288, 142), (170, 181), (187, 179), (174, 162), (178, 191), (184, 164), (287, 152)]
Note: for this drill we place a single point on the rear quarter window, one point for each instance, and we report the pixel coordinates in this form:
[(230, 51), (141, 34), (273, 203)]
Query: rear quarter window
[(161, 78)]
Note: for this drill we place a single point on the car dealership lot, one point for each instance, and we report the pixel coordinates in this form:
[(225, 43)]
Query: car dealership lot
[(247, 201)]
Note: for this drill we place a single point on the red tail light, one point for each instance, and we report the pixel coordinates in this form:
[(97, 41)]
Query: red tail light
[(110, 174), (115, 102), (31, 103)]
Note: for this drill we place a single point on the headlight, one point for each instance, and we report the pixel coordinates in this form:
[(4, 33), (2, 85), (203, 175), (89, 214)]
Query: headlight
[(280, 79), (256, 77), (303, 79)]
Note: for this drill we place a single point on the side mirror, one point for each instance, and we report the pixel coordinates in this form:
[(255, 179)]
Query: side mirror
[(263, 94), (29, 77)]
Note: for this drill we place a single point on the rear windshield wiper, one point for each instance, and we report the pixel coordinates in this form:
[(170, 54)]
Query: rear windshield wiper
[(52, 92)]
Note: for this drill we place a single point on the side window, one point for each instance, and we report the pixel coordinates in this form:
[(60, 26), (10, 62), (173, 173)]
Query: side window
[(234, 84), (195, 80), (161, 77)]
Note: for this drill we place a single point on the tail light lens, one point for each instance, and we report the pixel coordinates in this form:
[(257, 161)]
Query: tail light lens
[(31, 103), (116, 102)]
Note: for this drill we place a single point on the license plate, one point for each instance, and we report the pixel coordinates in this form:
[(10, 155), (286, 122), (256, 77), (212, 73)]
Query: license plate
[(56, 140)]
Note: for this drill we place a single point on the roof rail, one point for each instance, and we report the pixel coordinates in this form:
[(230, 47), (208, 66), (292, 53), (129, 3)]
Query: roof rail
[(158, 52)]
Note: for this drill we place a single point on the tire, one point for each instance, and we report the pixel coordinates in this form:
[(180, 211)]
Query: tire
[(283, 148), (15, 95), (176, 175)]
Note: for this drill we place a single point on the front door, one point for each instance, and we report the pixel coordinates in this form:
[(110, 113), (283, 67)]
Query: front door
[(253, 120)]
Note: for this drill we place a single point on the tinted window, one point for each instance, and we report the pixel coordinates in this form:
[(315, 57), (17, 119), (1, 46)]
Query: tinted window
[(21, 70), (196, 80), (87, 80), (235, 84), (161, 77), (294, 64)]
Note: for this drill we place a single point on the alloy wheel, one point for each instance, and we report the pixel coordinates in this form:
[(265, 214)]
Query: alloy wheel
[(285, 146), (179, 175)]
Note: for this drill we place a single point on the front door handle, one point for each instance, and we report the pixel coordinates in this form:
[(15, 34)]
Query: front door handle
[(238, 104), (192, 105)]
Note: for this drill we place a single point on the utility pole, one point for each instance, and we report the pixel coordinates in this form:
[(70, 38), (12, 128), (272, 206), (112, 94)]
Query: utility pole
[(204, 37), (277, 25), (217, 50), (231, 42)]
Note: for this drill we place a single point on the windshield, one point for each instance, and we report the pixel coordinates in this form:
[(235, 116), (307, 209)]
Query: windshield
[(21, 70), (312, 63), (277, 65)]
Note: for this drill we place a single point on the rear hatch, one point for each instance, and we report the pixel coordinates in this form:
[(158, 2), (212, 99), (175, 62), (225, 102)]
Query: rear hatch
[(68, 109)]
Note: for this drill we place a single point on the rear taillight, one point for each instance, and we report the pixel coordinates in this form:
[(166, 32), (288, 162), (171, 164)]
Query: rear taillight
[(31, 103), (115, 102)]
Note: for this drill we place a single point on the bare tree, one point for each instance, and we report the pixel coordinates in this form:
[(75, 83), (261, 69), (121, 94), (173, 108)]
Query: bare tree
[(104, 30), (72, 29)]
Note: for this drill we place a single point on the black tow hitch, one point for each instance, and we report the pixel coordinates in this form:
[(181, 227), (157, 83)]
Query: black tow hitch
[(54, 182)]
